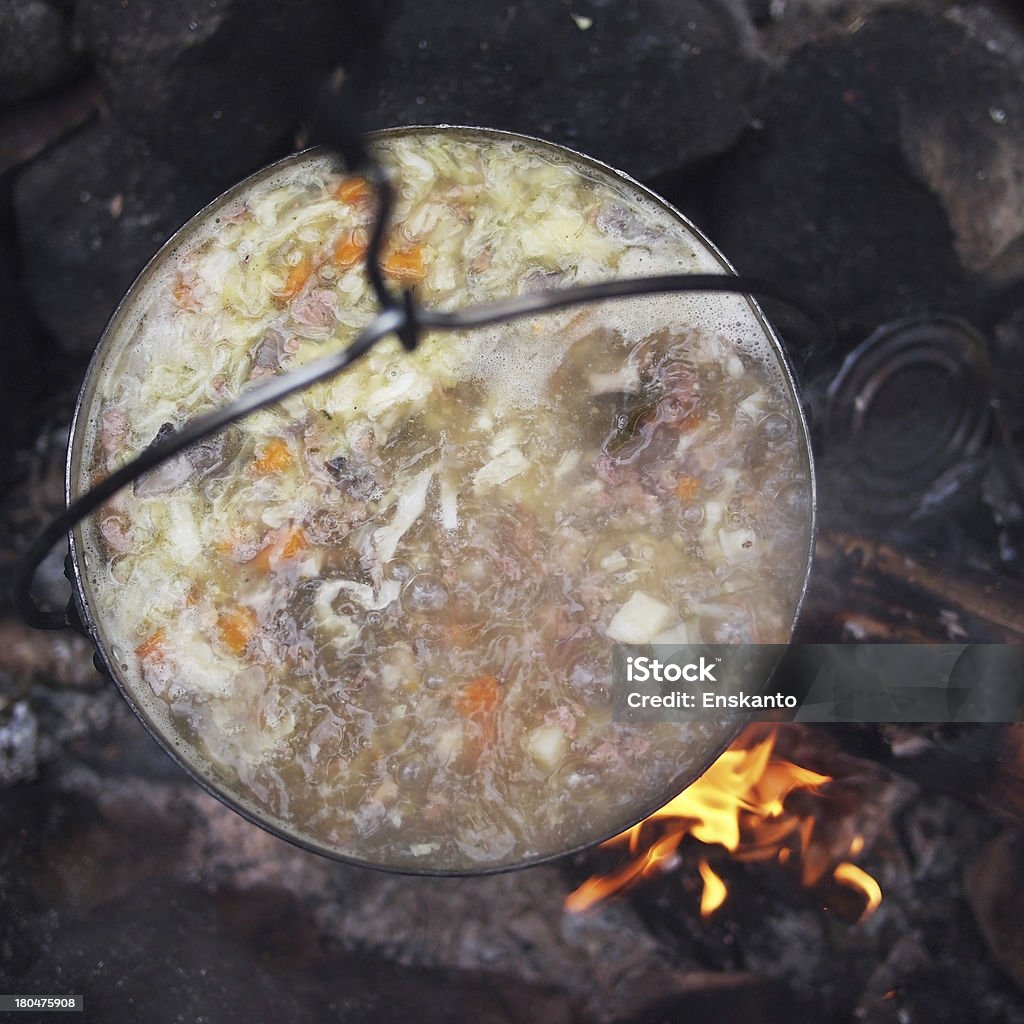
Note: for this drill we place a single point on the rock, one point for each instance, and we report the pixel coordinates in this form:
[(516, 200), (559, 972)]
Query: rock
[(819, 193), (760, 11), (216, 86), (38, 51), (646, 85), (786, 25), (961, 127), (90, 212), (17, 343), (26, 129), (893, 141)]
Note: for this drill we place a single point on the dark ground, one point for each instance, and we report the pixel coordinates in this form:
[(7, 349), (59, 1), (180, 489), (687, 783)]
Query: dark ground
[(870, 153)]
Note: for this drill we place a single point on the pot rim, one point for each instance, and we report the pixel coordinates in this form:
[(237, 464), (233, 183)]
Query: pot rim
[(221, 790)]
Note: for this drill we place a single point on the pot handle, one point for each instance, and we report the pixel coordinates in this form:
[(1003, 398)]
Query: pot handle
[(404, 319), (398, 314), (195, 430)]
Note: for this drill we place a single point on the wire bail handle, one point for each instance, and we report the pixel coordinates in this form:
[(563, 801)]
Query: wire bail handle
[(400, 315)]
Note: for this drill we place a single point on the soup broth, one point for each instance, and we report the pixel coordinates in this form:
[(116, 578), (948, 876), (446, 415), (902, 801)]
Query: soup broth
[(380, 616)]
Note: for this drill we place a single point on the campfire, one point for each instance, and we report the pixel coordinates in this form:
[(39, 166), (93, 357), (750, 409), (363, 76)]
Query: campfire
[(759, 807)]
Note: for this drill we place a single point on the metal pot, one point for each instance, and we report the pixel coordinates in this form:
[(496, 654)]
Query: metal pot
[(116, 338)]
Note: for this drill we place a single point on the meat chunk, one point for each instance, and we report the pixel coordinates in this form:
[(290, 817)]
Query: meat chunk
[(360, 481)]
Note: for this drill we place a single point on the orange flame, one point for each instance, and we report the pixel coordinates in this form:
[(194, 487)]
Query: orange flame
[(715, 890), (855, 877), (738, 803)]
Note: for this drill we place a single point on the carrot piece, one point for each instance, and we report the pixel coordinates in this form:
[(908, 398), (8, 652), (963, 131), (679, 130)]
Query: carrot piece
[(236, 543), (226, 545), (352, 190), (282, 545), (182, 292), (687, 487), (479, 696), (274, 458), (478, 702), (261, 560), (297, 278), (295, 541), (406, 264), (236, 627), (458, 634), (350, 249), (153, 646)]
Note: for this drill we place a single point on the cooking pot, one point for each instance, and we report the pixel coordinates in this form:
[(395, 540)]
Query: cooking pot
[(703, 741)]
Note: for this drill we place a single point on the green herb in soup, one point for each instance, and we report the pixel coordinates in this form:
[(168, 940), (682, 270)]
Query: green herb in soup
[(381, 615)]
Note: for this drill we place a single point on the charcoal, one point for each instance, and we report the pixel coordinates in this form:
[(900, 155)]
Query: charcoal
[(1002, 489), (38, 50), (907, 967), (18, 744), (647, 86), (90, 213), (711, 997), (1008, 381), (993, 885), (217, 86)]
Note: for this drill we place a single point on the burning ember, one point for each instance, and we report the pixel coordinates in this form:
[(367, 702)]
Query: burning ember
[(738, 803)]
